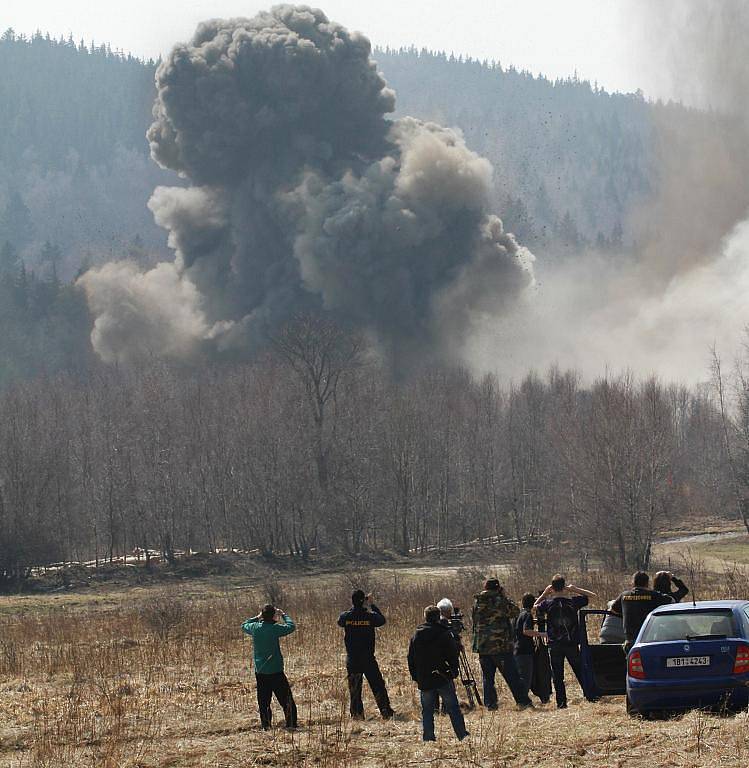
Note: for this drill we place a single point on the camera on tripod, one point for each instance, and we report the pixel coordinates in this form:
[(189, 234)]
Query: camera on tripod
[(456, 622)]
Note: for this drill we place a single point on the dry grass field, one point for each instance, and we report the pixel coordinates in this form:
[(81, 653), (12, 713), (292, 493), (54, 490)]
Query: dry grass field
[(159, 679)]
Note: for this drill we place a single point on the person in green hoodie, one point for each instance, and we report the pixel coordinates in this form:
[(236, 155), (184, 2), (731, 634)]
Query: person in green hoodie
[(266, 629)]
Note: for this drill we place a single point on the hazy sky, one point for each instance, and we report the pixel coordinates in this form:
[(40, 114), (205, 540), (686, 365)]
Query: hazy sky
[(598, 38)]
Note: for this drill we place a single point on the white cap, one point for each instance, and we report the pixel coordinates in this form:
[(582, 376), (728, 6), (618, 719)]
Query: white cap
[(446, 607)]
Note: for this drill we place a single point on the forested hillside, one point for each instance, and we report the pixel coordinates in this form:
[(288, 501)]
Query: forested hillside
[(571, 164), (74, 166), (569, 158)]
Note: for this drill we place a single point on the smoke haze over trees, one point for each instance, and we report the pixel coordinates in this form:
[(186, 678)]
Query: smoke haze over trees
[(574, 169), (377, 229)]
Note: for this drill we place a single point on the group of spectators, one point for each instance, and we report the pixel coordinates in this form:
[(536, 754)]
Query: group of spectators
[(526, 645)]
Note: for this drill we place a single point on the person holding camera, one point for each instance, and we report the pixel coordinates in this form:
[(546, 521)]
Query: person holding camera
[(663, 581), (359, 624), (451, 618), (433, 665), (525, 641), (266, 629)]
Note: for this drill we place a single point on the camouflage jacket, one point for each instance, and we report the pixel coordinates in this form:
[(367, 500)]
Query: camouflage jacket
[(493, 615)]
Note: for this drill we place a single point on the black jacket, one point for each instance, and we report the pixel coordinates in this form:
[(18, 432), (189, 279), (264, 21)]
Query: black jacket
[(432, 656), (681, 591), (359, 635), (634, 606)]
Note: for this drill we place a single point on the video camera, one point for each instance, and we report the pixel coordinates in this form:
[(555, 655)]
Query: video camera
[(457, 624)]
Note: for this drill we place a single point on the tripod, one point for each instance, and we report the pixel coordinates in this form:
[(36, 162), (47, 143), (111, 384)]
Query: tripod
[(466, 677)]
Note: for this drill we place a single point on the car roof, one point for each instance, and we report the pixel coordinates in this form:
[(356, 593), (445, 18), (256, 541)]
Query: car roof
[(701, 605)]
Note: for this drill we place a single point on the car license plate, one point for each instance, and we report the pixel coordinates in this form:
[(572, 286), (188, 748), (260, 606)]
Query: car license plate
[(688, 661)]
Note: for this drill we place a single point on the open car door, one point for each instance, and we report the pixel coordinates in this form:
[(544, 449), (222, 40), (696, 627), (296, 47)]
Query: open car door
[(604, 665)]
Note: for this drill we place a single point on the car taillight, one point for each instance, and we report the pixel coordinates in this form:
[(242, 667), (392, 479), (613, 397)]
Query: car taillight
[(635, 666), (741, 665)]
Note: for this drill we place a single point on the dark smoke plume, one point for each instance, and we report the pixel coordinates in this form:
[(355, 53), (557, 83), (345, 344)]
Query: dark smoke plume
[(304, 196)]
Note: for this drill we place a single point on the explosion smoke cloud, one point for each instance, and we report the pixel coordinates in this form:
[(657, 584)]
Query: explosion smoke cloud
[(304, 196)]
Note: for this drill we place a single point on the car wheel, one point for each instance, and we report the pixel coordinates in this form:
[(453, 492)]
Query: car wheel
[(632, 711)]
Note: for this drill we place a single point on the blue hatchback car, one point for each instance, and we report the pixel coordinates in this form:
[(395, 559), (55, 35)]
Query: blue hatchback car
[(691, 655), (687, 655)]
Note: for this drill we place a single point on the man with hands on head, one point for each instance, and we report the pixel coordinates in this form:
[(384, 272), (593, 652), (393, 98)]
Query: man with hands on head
[(266, 629), (560, 603), (359, 624), (663, 581)]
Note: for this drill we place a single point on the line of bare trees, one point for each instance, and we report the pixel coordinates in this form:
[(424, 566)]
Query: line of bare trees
[(315, 447)]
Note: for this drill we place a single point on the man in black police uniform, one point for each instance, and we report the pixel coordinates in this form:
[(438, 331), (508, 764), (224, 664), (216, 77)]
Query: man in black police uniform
[(635, 605), (359, 624)]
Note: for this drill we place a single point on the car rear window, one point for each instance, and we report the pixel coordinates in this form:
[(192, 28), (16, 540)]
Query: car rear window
[(688, 625)]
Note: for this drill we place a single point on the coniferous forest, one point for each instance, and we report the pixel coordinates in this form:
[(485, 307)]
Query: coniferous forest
[(571, 163), (313, 446)]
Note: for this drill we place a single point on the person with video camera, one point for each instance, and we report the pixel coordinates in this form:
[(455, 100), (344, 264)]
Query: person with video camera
[(433, 665), (452, 618), (359, 624), (560, 603), (266, 629)]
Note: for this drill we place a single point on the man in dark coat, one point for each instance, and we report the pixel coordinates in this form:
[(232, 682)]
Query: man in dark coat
[(635, 605), (433, 664), (359, 624)]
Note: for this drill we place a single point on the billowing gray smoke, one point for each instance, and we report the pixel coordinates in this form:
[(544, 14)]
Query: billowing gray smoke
[(304, 196), (684, 289)]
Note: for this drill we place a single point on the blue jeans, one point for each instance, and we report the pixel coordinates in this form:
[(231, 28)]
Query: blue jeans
[(450, 700), (505, 663)]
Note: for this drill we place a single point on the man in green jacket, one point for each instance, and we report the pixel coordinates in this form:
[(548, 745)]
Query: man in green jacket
[(266, 629)]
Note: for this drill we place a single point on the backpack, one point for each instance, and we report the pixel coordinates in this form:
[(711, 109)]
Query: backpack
[(562, 619)]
